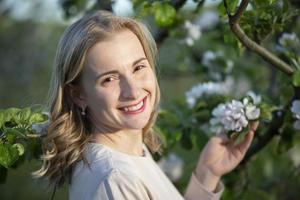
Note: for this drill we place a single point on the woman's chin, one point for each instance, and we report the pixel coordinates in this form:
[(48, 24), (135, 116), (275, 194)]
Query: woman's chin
[(136, 126)]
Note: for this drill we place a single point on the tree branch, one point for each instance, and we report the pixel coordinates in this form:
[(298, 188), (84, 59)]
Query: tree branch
[(279, 115), (250, 44), (241, 9)]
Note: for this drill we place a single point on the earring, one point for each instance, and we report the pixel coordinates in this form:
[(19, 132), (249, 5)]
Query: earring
[(83, 111)]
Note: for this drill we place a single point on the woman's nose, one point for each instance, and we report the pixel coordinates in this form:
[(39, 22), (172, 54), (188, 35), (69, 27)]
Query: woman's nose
[(129, 89)]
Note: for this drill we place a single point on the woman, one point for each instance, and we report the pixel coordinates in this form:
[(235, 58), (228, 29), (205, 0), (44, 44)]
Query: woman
[(103, 103)]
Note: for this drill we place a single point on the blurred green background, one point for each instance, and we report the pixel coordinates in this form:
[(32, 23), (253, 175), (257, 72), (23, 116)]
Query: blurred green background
[(29, 34)]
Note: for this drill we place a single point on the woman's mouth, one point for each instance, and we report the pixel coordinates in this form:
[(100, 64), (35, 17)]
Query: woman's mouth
[(135, 109)]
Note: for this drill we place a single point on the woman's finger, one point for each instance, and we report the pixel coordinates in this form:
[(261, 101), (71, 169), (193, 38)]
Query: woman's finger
[(254, 126), (223, 136), (245, 144)]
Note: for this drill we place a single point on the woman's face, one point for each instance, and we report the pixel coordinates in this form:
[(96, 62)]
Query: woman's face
[(119, 85)]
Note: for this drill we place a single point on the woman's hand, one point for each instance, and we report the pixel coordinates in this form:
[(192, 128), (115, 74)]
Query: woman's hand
[(221, 156)]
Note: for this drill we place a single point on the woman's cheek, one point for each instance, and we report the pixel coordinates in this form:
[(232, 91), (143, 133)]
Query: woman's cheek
[(149, 78)]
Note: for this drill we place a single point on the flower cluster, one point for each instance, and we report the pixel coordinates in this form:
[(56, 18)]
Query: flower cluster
[(235, 115), (208, 88), (296, 112), (193, 32)]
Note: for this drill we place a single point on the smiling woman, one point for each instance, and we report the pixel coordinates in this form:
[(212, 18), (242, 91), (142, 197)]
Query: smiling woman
[(103, 103)]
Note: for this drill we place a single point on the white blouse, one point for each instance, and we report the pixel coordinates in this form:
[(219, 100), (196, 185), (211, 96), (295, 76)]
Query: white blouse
[(113, 175)]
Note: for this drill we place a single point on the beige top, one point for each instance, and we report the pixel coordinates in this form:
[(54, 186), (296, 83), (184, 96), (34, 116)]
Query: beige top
[(114, 175)]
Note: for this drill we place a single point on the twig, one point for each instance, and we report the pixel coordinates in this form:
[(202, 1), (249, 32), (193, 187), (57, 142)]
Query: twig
[(250, 44), (279, 115)]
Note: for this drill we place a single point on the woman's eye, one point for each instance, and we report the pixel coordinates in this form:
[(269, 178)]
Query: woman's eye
[(108, 79), (139, 67)]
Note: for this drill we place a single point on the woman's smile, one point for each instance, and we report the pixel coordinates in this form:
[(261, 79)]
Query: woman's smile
[(135, 108)]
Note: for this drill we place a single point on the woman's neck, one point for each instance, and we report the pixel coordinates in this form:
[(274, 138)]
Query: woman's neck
[(126, 141)]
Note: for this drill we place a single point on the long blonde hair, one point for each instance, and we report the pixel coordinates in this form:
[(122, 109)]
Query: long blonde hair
[(69, 131)]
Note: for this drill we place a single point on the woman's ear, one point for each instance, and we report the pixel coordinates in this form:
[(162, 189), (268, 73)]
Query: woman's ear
[(77, 95)]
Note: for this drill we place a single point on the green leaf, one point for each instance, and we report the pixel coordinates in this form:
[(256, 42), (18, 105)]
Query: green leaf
[(232, 4), (14, 133), (203, 115), (264, 2), (168, 118), (240, 136), (165, 14), (2, 119), (23, 116), (266, 111), (10, 113), (37, 118), (286, 140), (285, 6), (200, 105), (20, 148), (8, 155), (296, 78), (202, 139), (186, 141), (221, 9)]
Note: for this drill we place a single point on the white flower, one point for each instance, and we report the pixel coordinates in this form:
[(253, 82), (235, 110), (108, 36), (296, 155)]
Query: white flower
[(256, 98), (252, 112), (288, 38), (296, 108), (193, 32), (296, 112), (208, 88), (230, 115), (296, 124), (235, 115), (229, 66), (218, 113), (172, 165), (208, 57)]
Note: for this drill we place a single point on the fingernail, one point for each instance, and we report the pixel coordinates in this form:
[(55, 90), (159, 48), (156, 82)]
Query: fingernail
[(255, 125)]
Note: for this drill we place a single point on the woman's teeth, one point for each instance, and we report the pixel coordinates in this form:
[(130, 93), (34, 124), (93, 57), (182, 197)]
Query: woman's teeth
[(134, 108)]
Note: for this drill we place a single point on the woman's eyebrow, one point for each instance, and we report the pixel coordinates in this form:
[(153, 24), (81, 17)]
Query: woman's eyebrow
[(138, 60), (108, 72), (116, 71)]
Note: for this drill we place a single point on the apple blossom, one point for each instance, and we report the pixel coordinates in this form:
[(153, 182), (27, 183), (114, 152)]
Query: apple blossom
[(208, 88), (193, 32), (235, 115)]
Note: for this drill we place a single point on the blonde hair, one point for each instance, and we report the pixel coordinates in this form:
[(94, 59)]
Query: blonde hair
[(69, 131)]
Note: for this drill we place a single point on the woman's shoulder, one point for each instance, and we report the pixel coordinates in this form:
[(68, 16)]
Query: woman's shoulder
[(103, 166), (102, 160)]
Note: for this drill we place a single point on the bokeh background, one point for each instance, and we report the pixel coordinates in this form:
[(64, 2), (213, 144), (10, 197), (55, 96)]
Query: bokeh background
[(194, 51)]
